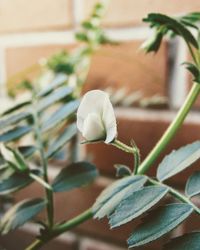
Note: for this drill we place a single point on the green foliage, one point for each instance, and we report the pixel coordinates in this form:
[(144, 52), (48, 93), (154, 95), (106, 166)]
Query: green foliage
[(178, 160), (16, 182), (112, 196), (62, 139), (21, 213), (122, 170), (190, 241), (193, 185), (194, 70), (136, 204), (158, 223), (74, 176), (166, 25)]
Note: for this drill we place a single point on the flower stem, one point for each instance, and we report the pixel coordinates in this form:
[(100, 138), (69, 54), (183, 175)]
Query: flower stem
[(176, 194), (123, 147), (172, 129), (59, 229)]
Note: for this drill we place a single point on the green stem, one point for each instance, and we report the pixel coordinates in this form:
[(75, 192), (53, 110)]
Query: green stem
[(49, 193), (176, 194), (171, 131), (124, 147), (59, 229)]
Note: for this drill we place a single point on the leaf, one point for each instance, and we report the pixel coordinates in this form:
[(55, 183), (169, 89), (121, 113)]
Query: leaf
[(56, 96), (122, 170), (14, 158), (27, 151), (56, 82), (61, 114), (15, 133), (193, 185), (178, 160), (75, 175), (136, 204), (68, 133), (167, 23), (194, 70), (20, 214), (153, 44), (112, 196), (16, 107), (190, 241), (161, 221), (16, 182), (12, 119)]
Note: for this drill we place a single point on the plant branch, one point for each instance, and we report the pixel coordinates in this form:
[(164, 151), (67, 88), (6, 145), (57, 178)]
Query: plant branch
[(172, 129), (49, 193), (61, 228), (176, 193)]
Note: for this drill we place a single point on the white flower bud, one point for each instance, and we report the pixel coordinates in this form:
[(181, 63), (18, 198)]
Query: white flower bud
[(95, 117)]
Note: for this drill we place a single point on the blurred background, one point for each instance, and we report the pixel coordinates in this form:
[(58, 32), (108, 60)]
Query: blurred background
[(146, 91)]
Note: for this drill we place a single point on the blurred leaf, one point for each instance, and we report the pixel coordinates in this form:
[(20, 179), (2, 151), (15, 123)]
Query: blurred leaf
[(75, 175), (194, 70), (15, 133), (16, 182), (20, 214), (136, 204), (163, 220), (113, 195), (61, 114), (191, 17), (14, 158), (57, 81), (61, 141), (193, 185), (16, 107), (27, 151), (178, 160), (165, 24), (122, 170), (12, 119), (153, 43), (56, 96), (190, 241)]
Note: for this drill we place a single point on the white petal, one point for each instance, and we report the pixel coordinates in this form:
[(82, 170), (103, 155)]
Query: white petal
[(109, 120), (92, 102), (93, 128), (97, 102)]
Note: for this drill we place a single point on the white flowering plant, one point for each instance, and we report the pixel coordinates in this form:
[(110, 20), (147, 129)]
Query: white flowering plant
[(131, 196)]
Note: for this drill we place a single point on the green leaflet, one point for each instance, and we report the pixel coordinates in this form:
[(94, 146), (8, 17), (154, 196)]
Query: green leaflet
[(112, 196), (190, 241), (193, 185), (136, 204), (61, 141), (159, 222), (54, 97), (73, 176), (178, 160), (16, 182), (15, 133), (20, 213), (61, 114)]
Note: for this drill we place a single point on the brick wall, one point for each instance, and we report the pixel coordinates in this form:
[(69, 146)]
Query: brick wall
[(31, 31)]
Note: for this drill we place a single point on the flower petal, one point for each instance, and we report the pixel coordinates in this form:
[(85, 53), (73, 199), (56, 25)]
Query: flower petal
[(97, 102), (93, 128)]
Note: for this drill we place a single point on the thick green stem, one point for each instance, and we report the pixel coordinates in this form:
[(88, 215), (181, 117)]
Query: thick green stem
[(171, 131), (61, 229), (176, 194)]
